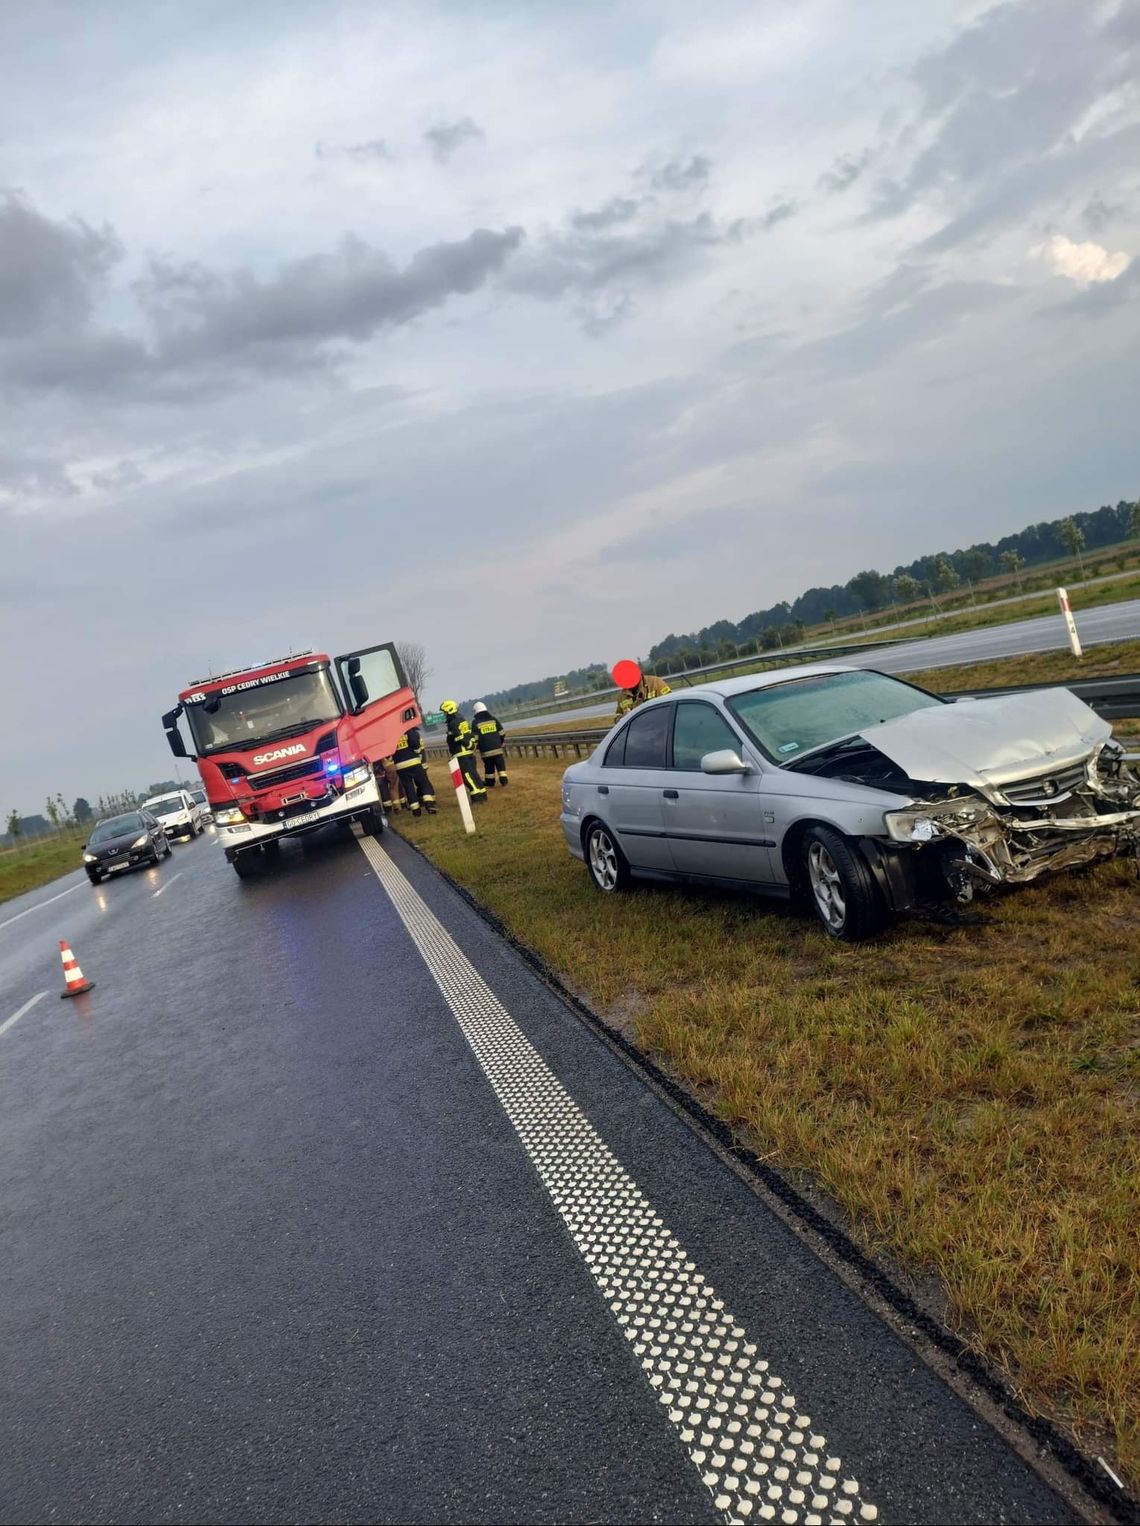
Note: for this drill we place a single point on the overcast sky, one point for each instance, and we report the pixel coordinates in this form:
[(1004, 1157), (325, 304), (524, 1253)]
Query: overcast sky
[(529, 331)]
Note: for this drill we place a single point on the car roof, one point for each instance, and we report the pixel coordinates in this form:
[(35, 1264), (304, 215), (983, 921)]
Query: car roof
[(166, 794), (727, 687)]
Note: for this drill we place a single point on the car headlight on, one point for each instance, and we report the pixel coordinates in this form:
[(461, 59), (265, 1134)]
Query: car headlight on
[(228, 816), (90, 858), (357, 775), (139, 842)]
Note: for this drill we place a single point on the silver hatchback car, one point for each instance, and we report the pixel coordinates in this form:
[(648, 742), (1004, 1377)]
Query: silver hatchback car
[(852, 792)]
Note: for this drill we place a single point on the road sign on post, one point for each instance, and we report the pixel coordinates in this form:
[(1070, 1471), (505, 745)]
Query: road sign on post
[(1070, 623), (432, 719)]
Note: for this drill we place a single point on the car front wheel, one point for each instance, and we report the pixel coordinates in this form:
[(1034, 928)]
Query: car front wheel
[(94, 876), (605, 860), (844, 895)]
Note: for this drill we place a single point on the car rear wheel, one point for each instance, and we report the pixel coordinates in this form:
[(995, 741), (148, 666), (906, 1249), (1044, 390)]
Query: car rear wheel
[(605, 860), (843, 892)]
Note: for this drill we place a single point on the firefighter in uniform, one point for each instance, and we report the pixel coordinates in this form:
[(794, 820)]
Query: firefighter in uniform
[(389, 782), (489, 737), (461, 745), (409, 760), (648, 687)]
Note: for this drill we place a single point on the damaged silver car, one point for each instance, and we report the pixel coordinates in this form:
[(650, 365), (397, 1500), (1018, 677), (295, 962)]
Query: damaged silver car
[(853, 792)]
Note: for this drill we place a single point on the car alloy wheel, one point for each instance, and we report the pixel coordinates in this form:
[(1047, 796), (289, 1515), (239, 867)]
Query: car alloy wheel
[(604, 863), (827, 887)]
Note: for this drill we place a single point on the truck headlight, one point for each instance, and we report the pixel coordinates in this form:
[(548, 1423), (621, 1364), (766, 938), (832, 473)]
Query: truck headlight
[(228, 816), (357, 775)]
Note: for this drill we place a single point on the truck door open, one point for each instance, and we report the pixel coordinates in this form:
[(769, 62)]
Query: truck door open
[(376, 692)]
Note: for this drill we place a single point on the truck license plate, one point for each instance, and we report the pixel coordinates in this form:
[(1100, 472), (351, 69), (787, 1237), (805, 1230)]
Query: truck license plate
[(300, 821)]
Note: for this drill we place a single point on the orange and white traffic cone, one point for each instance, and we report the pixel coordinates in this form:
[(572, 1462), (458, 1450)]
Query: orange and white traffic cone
[(72, 974)]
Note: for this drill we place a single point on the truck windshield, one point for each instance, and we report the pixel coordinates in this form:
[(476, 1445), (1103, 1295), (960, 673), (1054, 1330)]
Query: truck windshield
[(280, 708)]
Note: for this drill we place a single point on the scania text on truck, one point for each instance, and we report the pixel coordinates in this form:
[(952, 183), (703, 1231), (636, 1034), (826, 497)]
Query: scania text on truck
[(289, 746)]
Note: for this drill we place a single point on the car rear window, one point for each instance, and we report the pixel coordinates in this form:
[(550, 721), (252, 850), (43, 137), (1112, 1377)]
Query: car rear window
[(646, 736)]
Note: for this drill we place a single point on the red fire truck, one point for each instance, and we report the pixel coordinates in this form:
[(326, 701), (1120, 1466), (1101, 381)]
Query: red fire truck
[(287, 747)]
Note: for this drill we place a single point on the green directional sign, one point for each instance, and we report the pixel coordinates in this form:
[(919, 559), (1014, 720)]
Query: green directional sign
[(434, 718)]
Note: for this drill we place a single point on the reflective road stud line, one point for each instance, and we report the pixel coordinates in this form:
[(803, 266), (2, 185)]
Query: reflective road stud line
[(72, 974), (753, 1446), (461, 796), (1070, 623)]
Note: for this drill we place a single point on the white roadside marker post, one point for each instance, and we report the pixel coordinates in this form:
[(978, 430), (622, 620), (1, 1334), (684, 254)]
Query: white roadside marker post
[(1070, 623), (461, 795)]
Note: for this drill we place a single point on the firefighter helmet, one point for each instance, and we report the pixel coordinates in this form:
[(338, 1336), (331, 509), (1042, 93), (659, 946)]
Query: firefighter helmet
[(480, 708), (449, 707)]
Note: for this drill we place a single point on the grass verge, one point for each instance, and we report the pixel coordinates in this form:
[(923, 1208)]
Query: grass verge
[(37, 863), (968, 1096)]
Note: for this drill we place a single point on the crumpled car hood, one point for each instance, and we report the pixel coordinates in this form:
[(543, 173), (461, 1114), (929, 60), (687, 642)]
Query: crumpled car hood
[(984, 743)]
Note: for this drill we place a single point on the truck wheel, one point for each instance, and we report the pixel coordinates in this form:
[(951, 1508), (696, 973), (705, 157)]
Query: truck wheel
[(843, 893), (243, 866), (373, 822)]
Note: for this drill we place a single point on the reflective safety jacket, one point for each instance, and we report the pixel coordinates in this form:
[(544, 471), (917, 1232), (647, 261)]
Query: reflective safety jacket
[(648, 688), (489, 735), (409, 749), (460, 737)]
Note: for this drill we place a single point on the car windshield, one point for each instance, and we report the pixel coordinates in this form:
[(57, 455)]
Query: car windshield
[(198, 796), (116, 826), (790, 719), (166, 806), (277, 707)]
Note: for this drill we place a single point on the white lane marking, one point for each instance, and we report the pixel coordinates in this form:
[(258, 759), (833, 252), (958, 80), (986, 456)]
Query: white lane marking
[(28, 910), (27, 1007), (754, 1448), (166, 884)]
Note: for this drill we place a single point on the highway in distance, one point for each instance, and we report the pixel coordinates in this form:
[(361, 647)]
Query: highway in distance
[(322, 1206)]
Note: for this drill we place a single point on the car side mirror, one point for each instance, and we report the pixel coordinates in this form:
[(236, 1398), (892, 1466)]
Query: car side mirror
[(724, 762)]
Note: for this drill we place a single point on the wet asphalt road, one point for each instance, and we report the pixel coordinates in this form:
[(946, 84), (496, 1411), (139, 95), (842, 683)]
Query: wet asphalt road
[(1108, 622), (271, 1248)]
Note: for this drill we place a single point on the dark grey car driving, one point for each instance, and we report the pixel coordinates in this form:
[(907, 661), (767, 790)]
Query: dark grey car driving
[(119, 843)]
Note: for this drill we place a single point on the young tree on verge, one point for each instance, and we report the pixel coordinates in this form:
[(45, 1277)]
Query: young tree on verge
[(943, 576), (1073, 538), (1011, 562), (413, 658), (14, 824), (830, 616), (81, 811), (52, 813), (870, 588), (906, 587), (1134, 520)]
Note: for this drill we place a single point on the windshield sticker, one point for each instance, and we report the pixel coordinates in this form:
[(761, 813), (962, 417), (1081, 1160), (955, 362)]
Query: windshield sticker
[(790, 747)]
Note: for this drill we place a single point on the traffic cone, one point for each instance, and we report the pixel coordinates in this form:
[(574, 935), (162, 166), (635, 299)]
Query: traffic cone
[(72, 974)]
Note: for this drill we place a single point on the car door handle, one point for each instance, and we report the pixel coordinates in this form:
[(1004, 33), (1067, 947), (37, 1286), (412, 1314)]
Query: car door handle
[(671, 794), (603, 789)]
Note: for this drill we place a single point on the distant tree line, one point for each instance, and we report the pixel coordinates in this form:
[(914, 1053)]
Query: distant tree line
[(930, 578)]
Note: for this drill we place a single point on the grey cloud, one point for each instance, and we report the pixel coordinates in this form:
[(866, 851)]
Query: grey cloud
[(36, 475), (1099, 213), (780, 213), (844, 172), (583, 262), (375, 150), (49, 271), (999, 106), (677, 539), (1103, 296), (347, 294), (680, 174), (619, 209), (445, 138)]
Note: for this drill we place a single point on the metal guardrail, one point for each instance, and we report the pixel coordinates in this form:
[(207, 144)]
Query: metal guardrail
[(1113, 698), (757, 661)]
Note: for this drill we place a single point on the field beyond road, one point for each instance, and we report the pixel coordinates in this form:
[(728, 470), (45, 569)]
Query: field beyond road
[(968, 1096)]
